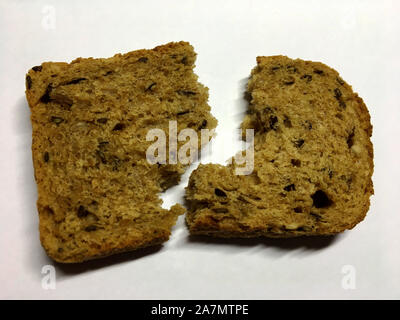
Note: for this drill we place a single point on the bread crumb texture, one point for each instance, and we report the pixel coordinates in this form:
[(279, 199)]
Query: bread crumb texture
[(97, 194), (313, 159)]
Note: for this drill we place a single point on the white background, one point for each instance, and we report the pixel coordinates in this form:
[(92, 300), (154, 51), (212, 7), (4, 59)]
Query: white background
[(360, 39)]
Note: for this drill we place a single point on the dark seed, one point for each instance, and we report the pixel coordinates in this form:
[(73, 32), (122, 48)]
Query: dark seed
[(291, 69), (290, 187), (241, 198), (118, 127), (316, 216), (289, 80), (46, 96), (48, 210), (275, 68), (203, 125), (103, 143), (296, 162), (57, 120), (91, 228), (317, 71), (298, 143), (143, 59), (273, 120), (28, 82), (116, 162), (287, 122), (320, 199), (108, 73), (307, 77), (75, 81), (349, 180), (182, 113), (46, 157), (330, 173), (82, 212), (37, 68), (102, 120), (350, 139), (219, 192), (338, 93), (298, 209), (184, 60), (308, 124), (101, 155), (186, 93), (339, 98), (339, 116), (150, 87)]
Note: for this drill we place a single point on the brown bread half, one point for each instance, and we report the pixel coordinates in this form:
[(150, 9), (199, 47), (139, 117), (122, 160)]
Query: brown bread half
[(313, 159), (98, 195)]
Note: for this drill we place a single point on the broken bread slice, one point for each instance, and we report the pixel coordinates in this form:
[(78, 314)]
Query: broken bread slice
[(313, 159), (97, 193)]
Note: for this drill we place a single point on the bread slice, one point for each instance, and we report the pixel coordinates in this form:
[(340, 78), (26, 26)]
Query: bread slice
[(97, 193), (313, 159)]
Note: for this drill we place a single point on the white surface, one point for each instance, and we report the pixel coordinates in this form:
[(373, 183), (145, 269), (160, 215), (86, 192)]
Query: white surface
[(360, 39)]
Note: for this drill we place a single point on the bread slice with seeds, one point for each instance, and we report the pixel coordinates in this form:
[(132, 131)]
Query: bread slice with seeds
[(313, 159), (97, 193)]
